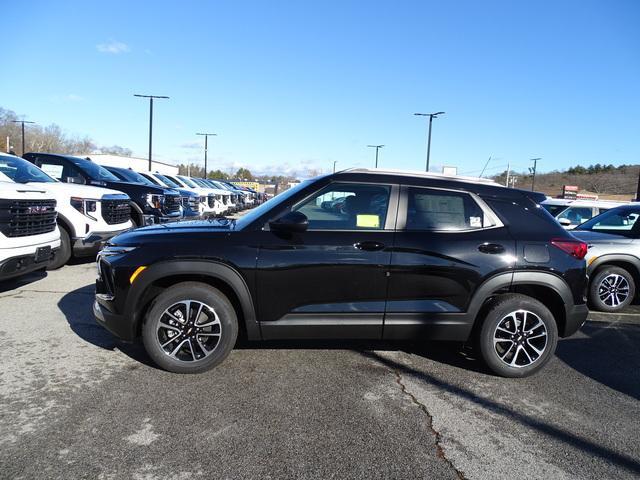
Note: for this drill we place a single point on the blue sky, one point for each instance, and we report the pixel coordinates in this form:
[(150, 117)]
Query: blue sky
[(296, 85)]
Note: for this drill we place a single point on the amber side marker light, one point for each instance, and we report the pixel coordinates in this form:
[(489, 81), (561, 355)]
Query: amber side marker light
[(135, 274)]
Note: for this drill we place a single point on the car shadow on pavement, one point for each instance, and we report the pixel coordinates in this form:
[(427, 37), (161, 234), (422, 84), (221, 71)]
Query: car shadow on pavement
[(609, 355), (77, 307), (16, 283), (569, 438)]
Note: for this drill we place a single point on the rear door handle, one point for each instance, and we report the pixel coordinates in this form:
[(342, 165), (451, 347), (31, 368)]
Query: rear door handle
[(369, 246), (491, 248)]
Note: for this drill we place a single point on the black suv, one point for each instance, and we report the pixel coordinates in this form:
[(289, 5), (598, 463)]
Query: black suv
[(407, 256), (149, 204)]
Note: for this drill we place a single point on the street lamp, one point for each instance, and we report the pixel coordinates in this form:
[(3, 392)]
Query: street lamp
[(150, 97), (22, 122), (532, 170), (431, 117), (206, 137), (377, 147)]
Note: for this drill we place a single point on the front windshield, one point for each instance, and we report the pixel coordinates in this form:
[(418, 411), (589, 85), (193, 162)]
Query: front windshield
[(21, 171), (93, 170), (620, 219), (554, 210), (188, 182), (167, 181), (270, 204), (200, 183)]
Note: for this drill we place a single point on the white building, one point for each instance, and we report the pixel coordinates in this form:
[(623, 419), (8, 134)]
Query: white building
[(135, 163)]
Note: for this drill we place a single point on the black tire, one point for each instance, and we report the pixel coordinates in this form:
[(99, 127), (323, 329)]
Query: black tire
[(63, 254), (509, 308), (604, 292), (184, 360)]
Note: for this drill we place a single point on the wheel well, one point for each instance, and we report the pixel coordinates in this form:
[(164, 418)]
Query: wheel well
[(66, 225), (547, 296), (158, 286), (628, 266)]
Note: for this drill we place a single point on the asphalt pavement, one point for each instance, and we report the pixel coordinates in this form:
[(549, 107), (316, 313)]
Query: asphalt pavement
[(77, 403)]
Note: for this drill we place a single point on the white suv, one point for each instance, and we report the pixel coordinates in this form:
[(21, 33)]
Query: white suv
[(88, 216), (29, 235), (571, 213)]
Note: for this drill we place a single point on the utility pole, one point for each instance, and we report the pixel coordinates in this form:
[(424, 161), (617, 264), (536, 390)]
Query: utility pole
[(532, 170), (508, 170), (334, 165), (431, 117), (206, 137), (150, 97), (21, 122), (377, 147)]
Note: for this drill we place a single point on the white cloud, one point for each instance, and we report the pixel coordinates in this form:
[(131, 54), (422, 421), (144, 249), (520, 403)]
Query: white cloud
[(191, 145), (68, 98), (113, 46)]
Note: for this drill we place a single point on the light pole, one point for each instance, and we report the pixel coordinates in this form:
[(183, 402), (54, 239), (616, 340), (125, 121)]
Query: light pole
[(431, 117), (532, 170), (377, 147), (206, 137), (22, 122), (334, 165), (150, 97)]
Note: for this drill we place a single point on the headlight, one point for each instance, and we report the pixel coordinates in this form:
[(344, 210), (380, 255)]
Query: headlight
[(155, 201), (84, 206), (109, 250)]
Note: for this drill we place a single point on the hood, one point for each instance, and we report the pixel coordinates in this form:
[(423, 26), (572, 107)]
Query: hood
[(75, 190), (590, 236), (137, 188), (187, 228)]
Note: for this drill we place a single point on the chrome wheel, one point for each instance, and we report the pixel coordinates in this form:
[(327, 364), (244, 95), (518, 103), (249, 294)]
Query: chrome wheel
[(613, 290), (189, 331), (520, 338)]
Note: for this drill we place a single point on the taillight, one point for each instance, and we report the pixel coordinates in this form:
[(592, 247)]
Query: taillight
[(575, 248)]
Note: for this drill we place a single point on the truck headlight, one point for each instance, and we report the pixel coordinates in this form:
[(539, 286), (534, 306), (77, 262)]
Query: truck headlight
[(155, 201), (85, 206)]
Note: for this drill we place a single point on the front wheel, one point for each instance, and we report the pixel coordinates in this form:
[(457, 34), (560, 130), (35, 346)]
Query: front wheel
[(190, 328), (518, 336), (63, 255)]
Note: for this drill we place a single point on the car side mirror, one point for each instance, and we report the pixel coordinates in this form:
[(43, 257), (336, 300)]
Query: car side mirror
[(292, 222), (565, 222), (78, 180)]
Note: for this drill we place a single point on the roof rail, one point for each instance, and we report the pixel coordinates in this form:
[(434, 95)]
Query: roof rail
[(418, 173)]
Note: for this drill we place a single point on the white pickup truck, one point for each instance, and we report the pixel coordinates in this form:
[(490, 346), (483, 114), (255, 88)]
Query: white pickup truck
[(87, 216), (29, 235)]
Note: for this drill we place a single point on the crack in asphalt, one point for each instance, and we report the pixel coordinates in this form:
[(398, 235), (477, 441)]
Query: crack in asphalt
[(438, 437)]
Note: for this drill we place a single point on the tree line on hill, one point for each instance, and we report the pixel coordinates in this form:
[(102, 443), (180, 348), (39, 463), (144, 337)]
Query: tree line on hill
[(242, 174), (48, 138)]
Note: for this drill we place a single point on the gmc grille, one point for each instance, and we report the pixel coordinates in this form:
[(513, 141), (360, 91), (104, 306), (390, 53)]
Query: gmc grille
[(116, 211), (190, 202), (172, 203), (20, 218)]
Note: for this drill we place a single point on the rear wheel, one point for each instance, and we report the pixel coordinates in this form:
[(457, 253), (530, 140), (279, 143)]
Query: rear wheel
[(190, 328), (63, 254), (518, 336), (611, 289)]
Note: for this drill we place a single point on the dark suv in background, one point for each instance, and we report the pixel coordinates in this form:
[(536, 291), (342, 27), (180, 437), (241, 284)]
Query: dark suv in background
[(149, 204), (408, 256)]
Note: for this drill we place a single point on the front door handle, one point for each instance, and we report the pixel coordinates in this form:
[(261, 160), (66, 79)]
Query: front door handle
[(492, 248), (369, 246)]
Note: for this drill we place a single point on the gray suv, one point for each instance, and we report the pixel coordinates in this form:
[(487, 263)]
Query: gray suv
[(613, 258)]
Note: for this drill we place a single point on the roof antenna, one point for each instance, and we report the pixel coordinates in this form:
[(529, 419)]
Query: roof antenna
[(485, 166)]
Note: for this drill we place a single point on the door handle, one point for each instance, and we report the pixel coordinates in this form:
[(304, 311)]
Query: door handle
[(491, 248), (369, 246)]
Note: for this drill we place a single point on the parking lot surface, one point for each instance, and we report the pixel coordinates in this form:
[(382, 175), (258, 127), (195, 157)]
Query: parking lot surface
[(77, 403)]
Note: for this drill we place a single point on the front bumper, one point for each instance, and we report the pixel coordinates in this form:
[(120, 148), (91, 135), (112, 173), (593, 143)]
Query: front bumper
[(23, 264), (576, 316), (116, 324), (83, 247)]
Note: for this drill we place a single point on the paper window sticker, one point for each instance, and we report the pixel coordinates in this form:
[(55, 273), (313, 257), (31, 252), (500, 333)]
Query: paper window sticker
[(475, 221), (368, 221)]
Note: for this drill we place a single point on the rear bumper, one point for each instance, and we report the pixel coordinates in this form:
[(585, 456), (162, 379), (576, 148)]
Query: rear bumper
[(576, 316)]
